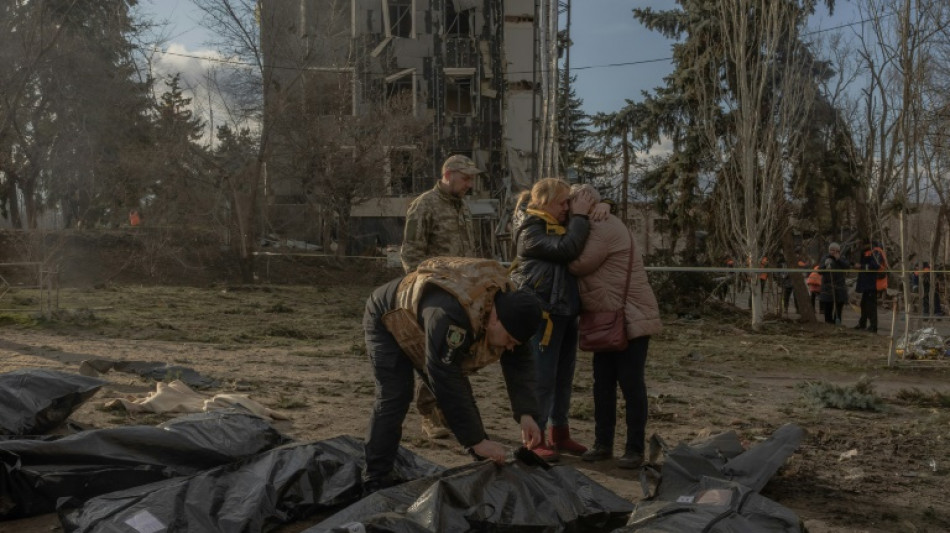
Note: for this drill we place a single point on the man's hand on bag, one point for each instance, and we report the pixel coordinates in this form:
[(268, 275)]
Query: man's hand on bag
[(491, 450), (530, 432)]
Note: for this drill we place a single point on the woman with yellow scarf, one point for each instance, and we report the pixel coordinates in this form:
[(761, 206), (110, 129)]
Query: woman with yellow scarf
[(552, 233)]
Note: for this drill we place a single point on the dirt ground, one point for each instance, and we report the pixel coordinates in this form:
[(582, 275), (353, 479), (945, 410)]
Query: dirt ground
[(298, 349)]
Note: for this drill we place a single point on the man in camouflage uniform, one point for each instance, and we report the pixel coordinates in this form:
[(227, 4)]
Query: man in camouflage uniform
[(439, 223), (445, 320)]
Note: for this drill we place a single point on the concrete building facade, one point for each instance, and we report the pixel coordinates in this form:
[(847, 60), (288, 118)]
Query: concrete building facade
[(468, 68)]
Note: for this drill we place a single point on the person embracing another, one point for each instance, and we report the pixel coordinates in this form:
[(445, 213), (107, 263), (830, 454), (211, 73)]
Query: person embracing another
[(551, 234), (612, 277)]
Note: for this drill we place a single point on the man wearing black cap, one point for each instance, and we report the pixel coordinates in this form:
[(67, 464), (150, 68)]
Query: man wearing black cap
[(448, 318)]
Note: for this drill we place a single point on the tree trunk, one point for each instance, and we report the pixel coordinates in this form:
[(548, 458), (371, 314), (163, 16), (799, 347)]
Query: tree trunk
[(756, 303), (799, 289), (13, 206)]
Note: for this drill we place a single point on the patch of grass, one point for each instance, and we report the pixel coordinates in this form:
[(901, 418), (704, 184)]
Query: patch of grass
[(310, 353), (77, 317), (786, 410), (921, 399), (24, 301), (16, 319), (284, 402), (284, 331), (858, 397), (171, 375)]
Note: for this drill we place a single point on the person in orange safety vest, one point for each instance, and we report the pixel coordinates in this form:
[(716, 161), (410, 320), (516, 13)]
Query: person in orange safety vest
[(882, 275), (814, 284)]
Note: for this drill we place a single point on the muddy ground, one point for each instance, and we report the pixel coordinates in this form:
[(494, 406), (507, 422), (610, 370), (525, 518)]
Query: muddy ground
[(298, 349)]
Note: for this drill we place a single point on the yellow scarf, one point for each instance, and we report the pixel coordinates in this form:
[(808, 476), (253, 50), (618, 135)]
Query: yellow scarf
[(553, 226)]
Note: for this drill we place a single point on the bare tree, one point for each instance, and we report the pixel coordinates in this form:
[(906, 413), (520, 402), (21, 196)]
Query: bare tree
[(237, 25), (324, 132), (904, 52), (764, 92)]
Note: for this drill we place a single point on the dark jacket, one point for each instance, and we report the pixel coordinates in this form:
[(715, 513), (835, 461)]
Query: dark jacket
[(833, 286), (541, 265), (439, 314), (870, 264)]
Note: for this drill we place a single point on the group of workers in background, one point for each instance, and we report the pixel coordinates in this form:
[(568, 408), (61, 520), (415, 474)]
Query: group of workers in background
[(827, 282)]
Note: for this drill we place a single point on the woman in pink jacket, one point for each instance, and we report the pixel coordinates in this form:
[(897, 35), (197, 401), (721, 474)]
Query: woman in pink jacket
[(603, 269)]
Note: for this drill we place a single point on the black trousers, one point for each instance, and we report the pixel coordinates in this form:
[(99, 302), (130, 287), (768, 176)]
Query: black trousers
[(393, 373), (787, 297), (868, 309), (626, 369), (833, 312)]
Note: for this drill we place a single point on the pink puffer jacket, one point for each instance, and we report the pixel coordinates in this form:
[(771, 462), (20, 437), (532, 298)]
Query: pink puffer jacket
[(601, 271)]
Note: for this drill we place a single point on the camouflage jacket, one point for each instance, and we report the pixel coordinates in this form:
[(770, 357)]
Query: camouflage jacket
[(437, 224)]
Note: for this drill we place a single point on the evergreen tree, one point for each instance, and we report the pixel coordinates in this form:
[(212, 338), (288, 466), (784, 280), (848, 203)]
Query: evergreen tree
[(574, 132), (176, 186), (76, 113), (682, 112)]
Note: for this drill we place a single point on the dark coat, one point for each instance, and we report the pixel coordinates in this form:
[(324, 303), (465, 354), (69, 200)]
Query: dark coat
[(541, 265), (870, 264), (833, 286)]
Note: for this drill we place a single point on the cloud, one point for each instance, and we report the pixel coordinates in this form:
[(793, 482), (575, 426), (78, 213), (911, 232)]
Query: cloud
[(193, 65), (194, 68)]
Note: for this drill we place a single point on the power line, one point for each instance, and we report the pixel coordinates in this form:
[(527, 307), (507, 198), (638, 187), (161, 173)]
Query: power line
[(587, 67), (628, 63)]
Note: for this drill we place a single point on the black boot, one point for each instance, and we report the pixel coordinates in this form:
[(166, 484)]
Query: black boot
[(598, 452), (630, 460)]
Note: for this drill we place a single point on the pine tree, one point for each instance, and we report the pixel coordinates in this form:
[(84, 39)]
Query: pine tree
[(76, 111), (176, 165), (574, 132), (683, 185)]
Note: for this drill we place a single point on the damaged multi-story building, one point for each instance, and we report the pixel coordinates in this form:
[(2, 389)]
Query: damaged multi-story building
[(480, 75)]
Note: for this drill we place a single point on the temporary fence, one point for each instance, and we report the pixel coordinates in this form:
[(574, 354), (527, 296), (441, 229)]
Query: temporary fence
[(43, 279)]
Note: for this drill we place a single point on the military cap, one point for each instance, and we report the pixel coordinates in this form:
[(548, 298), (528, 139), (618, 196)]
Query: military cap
[(460, 163)]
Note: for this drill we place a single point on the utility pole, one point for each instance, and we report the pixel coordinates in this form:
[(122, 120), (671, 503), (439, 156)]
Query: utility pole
[(626, 175), (565, 8)]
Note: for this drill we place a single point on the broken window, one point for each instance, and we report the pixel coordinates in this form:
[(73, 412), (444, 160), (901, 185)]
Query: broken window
[(400, 91), (458, 95), (400, 18), (457, 23), (402, 171)]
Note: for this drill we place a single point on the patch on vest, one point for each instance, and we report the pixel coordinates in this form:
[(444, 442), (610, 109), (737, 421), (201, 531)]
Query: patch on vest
[(455, 336)]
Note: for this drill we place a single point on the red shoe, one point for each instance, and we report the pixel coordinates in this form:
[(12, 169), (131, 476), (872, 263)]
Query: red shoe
[(546, 452), (562, 441)]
